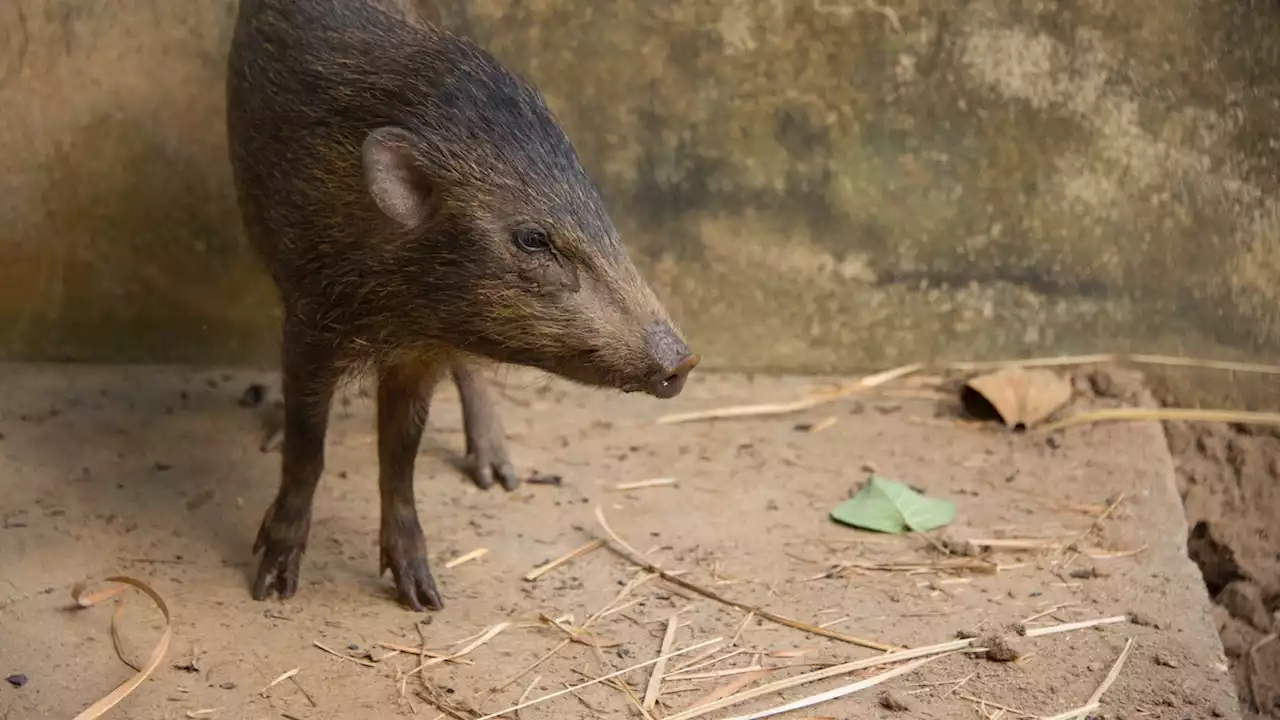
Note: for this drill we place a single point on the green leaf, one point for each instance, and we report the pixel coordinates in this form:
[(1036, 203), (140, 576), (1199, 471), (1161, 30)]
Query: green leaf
[(888, 506)]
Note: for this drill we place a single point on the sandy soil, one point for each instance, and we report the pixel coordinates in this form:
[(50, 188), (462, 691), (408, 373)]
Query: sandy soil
[(158, 474)]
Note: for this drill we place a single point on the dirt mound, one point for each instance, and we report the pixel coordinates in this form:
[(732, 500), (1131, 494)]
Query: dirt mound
[(1229, 478)]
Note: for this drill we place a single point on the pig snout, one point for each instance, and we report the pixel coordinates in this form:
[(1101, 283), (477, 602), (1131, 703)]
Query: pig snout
[(672, 361)]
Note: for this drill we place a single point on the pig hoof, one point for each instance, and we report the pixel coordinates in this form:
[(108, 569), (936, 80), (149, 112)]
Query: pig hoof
[(282, 544), (487, 461), (279, 572), (484, 470), (415, 586)]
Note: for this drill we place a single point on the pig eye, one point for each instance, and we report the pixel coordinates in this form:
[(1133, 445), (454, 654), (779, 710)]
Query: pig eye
[(532, 239)]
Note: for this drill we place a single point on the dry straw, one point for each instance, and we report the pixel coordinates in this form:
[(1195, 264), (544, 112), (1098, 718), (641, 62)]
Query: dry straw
[(1107, 415), (85, 600), (630, 553)]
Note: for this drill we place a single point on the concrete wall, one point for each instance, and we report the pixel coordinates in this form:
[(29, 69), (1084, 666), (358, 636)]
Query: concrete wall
[(811, 184)]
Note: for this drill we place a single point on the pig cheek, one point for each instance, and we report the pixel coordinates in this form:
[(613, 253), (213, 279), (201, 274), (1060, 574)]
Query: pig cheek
[(551, 278)]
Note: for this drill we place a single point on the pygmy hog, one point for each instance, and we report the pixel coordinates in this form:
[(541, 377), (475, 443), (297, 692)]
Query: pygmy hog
[(420, 211)]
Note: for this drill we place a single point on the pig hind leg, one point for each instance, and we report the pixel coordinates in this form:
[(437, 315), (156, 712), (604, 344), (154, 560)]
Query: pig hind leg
[(487, 456), (404, 396)]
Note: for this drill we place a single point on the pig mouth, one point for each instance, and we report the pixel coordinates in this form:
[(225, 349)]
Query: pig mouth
[(658, 380), (586, 368), (591, 368)]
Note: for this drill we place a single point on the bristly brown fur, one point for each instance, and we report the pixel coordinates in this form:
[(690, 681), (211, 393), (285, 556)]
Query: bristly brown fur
[(309, 80), (420, 209)]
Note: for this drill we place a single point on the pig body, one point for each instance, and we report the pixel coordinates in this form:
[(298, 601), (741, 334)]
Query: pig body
[(421, 212)]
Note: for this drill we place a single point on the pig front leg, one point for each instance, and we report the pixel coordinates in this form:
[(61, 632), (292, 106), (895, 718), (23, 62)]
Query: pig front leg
[(487, 457), (309, 378), (404, 397)]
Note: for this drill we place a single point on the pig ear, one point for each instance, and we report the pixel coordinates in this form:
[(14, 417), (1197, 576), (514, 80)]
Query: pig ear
[(396, 177)]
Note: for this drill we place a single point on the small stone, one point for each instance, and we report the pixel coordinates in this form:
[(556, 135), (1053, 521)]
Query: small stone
[(1001, 648), (1165, 661), (959, 546), (16, 680), (889, 700), (228, 686), (1083, 574)]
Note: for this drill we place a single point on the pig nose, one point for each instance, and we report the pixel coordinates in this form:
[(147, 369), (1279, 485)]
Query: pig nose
[(671, 359), (669, 383)]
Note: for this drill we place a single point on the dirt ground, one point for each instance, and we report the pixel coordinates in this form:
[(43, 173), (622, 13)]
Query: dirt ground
[(158, 474)]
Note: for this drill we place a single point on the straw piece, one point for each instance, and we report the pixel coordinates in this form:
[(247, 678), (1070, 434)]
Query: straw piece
[(473, 555), (283, 676), (987, 703), (428, 653), (823, 674), (525, 695), (655, 679), (786, 408), (1227, 365), (1093, 526), (122, 690), (1050, 611), (1103, 358), (629, 588), (1116, 554), (547, 567), (603, 678), (840, 691), (731, 687), (1069, 627), (1057, 361), (340, 656), (582, 635), (1095, 700), (645, 484), (630, 553), (686, 677), (1244, 417), (742, 626), (698, 662), (498, 688), (485, 637)]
